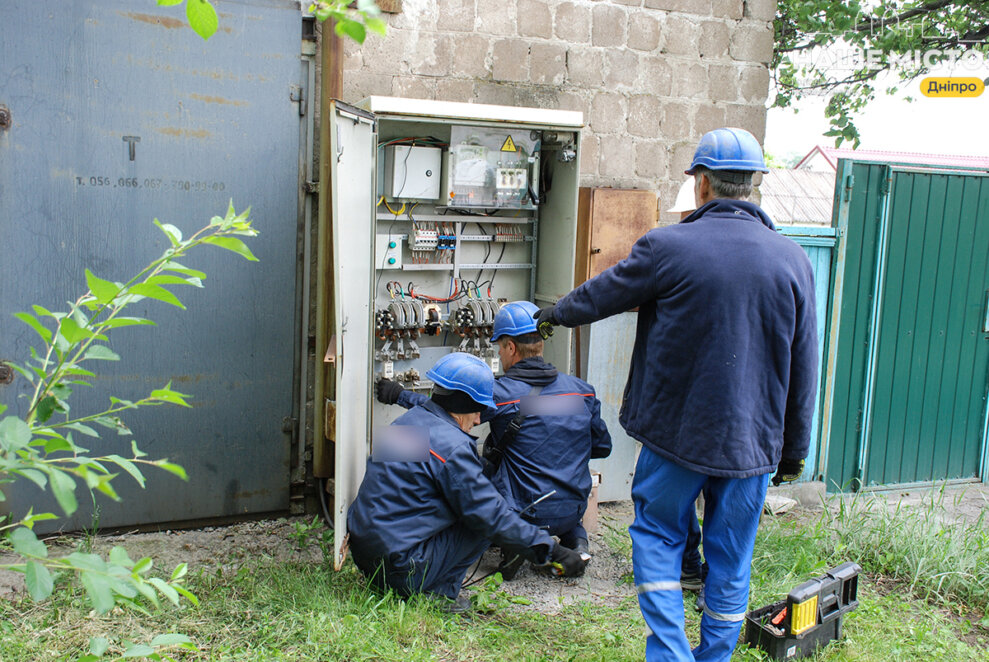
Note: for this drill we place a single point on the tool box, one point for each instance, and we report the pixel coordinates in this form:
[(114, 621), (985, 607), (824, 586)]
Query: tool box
[(811, 616)]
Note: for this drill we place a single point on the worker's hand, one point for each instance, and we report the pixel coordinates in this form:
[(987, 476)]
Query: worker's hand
[(387, 391), (566, 562), (545, 321), (788, 471)]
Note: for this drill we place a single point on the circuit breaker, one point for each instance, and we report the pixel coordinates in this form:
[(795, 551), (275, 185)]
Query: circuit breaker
[(500, 226)]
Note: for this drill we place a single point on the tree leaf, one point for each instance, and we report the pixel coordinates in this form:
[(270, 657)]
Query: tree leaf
[(347, 27), (171, 639), (129, 467), (103, 290), (26, 543), (98, 589), (156, 292), (172, 468), (165, 589), (40, 517), (166, 3), (34, 476), (143, 566), (168, 279), (79, 427), (232, 244), (376, 25), (138, 650), (14, 433), (166, 394), (72, 332), (64, 488), (180, 571), (99, 645), (185, 271), (33, 322), (173, 233), (119, 556), (117, 322), (58, 444), (202, 17), (39, 581), (101, 352), (188, 595), (46, 407)]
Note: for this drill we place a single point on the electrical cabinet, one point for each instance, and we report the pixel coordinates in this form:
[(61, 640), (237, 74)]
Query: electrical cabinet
[(415, 277)]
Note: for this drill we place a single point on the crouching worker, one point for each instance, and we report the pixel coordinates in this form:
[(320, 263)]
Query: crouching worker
[(545, 428), (426, 512)]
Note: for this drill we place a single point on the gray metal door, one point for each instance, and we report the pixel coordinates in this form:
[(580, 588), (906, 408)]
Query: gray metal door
[(120, 114)]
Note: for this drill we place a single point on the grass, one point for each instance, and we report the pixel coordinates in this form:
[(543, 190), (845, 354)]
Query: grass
[(922, 598)]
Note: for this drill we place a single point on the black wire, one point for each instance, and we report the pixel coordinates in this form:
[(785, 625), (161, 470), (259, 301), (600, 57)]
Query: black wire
[(498, 261)]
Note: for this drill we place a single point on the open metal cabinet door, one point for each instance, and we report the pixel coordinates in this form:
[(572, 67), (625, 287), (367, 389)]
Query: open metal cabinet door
[(352, 139)]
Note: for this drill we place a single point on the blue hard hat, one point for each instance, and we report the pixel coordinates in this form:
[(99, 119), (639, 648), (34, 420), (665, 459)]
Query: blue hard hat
[(728, 149), (515, 319), (466, 373)]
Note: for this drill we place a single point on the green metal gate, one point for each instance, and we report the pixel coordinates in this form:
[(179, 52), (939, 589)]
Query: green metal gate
[(907, 396)]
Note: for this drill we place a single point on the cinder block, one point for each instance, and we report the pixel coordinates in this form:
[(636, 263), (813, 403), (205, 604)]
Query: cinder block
[(574, 101), (547, 63), (727, 9), (364, 84), (608, 26), (572, 23), (617, 157), (645, 113), (510, 60), (714, 39), (681, 36), (415, 17), (752, 41), (681, 154), (585, 67), (497, 18), (454, 89), (622, 68), (432, 55), (413, 87), (651, 160), (696, 7), (709, 116), (760, 10), (690, 81), (723, 82), (755, 83), (751, 117), (590, 150), (607, 113), (470, 56), (644, 31), (499, 94), (534, 19), (456, 15), (656, 75), (678, 121), (389, 55)]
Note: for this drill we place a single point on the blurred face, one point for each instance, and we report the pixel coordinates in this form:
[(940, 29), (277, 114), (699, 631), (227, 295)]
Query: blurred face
[(508, 353), (467, 421)]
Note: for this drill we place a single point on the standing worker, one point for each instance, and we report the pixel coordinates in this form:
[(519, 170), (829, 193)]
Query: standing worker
[(422, 518), (720, 390), (539, 451)]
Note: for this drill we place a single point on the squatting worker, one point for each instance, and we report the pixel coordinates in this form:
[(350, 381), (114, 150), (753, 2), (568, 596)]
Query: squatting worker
[(720, 390), (545, 428), (418, 523)]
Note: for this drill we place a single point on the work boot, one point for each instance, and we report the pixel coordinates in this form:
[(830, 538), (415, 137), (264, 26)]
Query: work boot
[(582, 547), (510, 566), (691, 580)]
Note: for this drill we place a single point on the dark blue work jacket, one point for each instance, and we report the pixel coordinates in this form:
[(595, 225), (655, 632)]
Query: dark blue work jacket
[(550, 452), (401, 504), (724, 373)]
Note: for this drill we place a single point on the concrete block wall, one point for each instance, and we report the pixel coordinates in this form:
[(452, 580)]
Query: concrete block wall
[(650, 76)]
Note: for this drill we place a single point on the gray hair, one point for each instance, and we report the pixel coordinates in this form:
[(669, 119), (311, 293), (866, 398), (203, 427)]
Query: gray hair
[(734, 184)]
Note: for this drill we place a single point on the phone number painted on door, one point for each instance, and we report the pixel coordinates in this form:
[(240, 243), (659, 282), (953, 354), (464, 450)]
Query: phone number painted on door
[(152, 183)]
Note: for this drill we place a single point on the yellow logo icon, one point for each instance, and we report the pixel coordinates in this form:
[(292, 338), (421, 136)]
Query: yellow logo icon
[(509, 145), (951, 87)]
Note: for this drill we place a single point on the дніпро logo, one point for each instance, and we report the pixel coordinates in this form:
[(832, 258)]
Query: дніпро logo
[(951, 87)]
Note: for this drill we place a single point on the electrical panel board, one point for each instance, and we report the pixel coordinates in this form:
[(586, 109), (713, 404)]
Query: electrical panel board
[(501, 227)]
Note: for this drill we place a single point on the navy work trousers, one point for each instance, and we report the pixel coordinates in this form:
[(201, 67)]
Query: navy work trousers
[(663, 494)]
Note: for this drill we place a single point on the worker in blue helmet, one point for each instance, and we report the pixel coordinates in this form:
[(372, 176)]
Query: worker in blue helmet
[(425, 511), (545, 428), (721, 387)]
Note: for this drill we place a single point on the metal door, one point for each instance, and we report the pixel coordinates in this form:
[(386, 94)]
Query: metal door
[(353, 141), (911, 383), (120, 114)]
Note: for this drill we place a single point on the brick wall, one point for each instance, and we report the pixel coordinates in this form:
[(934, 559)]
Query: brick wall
[(650, 76)]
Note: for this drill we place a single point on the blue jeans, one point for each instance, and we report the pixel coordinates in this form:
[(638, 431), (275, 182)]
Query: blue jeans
[(691, 564), (663, 494), (568, 528)]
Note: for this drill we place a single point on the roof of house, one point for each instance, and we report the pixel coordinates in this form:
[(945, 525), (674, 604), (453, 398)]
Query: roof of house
[(797, 197), (832, 154)]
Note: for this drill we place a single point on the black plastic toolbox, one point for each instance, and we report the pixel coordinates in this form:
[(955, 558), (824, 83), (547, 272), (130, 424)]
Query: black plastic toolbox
[(828, 598)]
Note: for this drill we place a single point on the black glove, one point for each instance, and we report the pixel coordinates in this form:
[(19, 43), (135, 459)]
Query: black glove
[(788, 471), (387, 391), (545, 321), (566, 562)]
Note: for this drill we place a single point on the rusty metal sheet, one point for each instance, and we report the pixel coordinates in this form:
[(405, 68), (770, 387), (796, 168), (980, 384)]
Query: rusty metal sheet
[(122, 115)]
